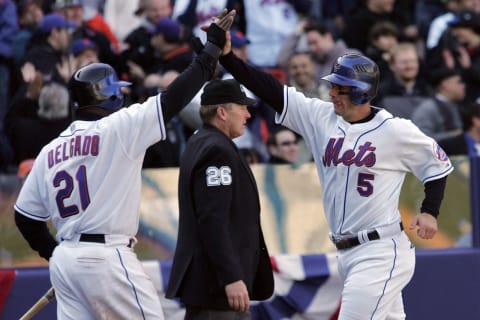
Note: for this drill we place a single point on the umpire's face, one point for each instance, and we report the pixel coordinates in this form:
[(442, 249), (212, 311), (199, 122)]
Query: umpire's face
[(236, 117)]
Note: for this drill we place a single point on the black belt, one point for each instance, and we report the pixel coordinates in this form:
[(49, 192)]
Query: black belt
[(346, 243), (98, 238), (92, 237)]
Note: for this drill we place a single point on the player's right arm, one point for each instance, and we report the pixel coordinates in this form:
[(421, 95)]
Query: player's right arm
[(262, 84), (182, 90)]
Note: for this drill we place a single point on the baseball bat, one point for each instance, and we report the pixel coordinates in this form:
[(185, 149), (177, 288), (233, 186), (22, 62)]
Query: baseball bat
[(39, 305)]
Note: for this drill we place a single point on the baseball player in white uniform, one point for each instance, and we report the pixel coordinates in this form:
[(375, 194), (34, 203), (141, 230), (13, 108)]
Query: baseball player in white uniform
[(362, 154), (88, 182)]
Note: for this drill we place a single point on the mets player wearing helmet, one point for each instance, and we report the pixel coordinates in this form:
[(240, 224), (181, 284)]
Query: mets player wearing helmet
[(362, 154), (88, 182)]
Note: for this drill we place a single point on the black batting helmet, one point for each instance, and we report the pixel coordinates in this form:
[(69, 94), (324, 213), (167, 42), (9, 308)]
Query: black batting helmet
[(356, 71), (96, 84)]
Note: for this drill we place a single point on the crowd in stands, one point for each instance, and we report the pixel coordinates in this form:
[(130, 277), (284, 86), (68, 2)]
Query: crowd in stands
[(428, 52)]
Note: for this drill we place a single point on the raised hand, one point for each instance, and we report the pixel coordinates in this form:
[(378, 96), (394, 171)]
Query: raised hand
[(216, 31)]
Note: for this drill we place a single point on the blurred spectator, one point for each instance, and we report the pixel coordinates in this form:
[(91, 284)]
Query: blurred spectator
[(48, 49), (440, 23), (320, 44), (38, 118), (139, 51), (24, 168), (332, 13), (85, 52), (405, 79), (301, 75), (383, 37), (73, 10), (239, 44), (96, 21), (425, 12), (8, 29), (282, 145), (467, 143), (268, 24), (116, 13), (29, 16), (439, 116), (369, 12), (200, 12), (171, 50), (466, 56), (440, 37)]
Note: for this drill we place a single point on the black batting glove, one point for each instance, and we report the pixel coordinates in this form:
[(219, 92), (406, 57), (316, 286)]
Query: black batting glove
[(216, 35)]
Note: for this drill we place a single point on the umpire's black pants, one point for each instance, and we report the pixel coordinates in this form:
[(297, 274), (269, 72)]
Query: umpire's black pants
[(198, 313)]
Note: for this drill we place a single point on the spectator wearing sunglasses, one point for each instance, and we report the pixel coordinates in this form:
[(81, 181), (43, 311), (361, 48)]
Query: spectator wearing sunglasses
[(282, 145)]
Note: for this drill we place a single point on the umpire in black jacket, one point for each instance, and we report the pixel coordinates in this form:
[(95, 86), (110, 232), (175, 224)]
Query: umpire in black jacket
[(221, 261)]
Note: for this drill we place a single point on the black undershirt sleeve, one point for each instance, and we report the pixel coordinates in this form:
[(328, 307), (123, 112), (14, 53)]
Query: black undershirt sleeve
[(434, 192), (262, 84), (182, 90), (37, 235)]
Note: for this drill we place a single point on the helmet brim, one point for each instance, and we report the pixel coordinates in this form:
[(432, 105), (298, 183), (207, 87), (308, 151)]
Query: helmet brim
[(344, 81)]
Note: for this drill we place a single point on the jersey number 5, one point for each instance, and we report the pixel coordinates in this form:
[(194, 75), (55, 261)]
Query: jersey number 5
[(364, 186), (66, 191)]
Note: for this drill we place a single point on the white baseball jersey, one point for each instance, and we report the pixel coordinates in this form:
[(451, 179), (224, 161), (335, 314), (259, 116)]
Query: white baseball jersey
[(362, 166), (270, 22), (87, 180)]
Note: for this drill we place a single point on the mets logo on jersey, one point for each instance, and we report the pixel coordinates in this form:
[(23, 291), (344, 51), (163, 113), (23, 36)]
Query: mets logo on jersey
[(439, 153)]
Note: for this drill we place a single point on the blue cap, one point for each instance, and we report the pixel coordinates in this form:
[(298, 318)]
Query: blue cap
[(54, 21), (238, 39), (79, 45), (169, 28)]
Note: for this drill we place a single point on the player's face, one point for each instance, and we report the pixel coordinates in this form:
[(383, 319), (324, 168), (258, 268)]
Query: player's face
[(236, 119), (342, 104)]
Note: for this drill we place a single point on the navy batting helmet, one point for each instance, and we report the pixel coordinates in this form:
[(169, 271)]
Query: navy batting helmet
[(359, 72), (96, 84)]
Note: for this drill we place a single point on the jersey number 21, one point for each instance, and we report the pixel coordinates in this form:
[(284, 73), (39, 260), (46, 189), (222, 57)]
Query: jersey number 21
[(68, 188)]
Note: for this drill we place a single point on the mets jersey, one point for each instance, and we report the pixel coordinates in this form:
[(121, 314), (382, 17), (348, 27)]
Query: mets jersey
[(72, 182), (362, 166)]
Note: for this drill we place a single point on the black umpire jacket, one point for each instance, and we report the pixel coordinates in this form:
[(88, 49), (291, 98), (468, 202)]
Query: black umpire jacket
[(220, 239)]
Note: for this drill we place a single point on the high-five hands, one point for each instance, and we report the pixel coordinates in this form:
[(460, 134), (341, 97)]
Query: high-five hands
[(217, 30)]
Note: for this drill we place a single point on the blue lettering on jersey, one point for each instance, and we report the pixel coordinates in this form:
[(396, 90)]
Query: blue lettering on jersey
[(365, 156), (76, 146)]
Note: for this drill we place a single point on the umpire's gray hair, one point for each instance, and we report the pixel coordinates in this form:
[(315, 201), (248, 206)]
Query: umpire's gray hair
[(53, 102), (208, 112)]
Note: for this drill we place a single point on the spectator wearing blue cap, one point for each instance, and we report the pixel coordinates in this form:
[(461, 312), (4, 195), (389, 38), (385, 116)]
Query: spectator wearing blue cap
[(49, 47), (171, 51), (240, 44), (85, 52), (76, 11)]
